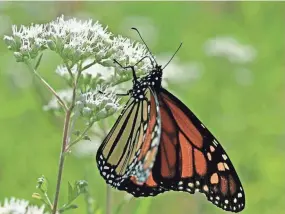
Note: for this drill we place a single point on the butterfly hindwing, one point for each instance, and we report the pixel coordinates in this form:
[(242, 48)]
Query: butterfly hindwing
[(190, 158)]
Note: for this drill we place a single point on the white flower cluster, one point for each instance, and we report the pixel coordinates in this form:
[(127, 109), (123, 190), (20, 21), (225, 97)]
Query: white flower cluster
[(75, 41), (124, 50), (20, 206), (26, 42), (231, 49), (82, 45), (95, 105), (92, 76), (98, 104), (78, 40)]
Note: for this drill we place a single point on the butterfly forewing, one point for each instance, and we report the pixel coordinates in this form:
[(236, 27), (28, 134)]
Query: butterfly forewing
[(190, 158), (143, 184), (127, 150)]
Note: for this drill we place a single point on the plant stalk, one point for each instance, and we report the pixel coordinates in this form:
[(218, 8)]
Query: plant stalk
[(64, 144), (61, 102), (80, 137), (62, 158)]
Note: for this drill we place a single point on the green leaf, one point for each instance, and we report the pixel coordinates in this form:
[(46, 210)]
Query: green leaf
[(69, 207), (79, 187), (37, 196), (70, 192), (38, 62), (42, 198)]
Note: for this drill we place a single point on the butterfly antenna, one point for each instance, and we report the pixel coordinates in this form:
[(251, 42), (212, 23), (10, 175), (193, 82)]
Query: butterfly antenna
[(133, 28), (173, 55)]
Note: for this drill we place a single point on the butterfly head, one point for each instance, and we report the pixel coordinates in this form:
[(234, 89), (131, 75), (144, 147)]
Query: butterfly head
[(152, 80)]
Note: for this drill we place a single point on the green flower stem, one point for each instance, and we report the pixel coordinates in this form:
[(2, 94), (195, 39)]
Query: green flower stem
[(62, 158), (47, 198), (89, 65), (69, 71), (64, 144), (47, 85), (80, 137)]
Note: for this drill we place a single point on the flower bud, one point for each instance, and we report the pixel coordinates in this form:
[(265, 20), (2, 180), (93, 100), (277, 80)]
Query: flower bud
[(102, 114), (86, 111), (19, 57), (51, 45), (10, 42)]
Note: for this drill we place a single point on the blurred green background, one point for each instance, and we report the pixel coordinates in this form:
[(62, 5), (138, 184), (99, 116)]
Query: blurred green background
[(241, 103)]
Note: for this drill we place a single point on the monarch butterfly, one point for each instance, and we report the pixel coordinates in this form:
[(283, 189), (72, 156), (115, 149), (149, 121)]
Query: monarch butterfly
[(157, 144)]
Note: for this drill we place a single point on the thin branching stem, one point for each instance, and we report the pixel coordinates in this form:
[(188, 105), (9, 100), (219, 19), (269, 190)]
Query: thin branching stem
[(65, 141), (70, 72), (80, 137), (62, 158), (61, 102), (89, 65), (47, 198)]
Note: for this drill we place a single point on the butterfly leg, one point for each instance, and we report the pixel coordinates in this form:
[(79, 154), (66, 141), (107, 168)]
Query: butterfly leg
[(150, 59), (119, 95), (126, 67), (122, 94)]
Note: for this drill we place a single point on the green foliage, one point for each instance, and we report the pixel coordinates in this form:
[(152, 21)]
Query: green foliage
[(79, 188), (43, 195), (247, 119)]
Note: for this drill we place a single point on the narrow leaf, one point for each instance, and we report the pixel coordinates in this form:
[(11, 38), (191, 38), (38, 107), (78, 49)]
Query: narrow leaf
[(69, 207), (70, 192), (38, 62)]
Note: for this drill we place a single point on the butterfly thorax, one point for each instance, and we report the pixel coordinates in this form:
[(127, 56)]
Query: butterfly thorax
[(152, 80)]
